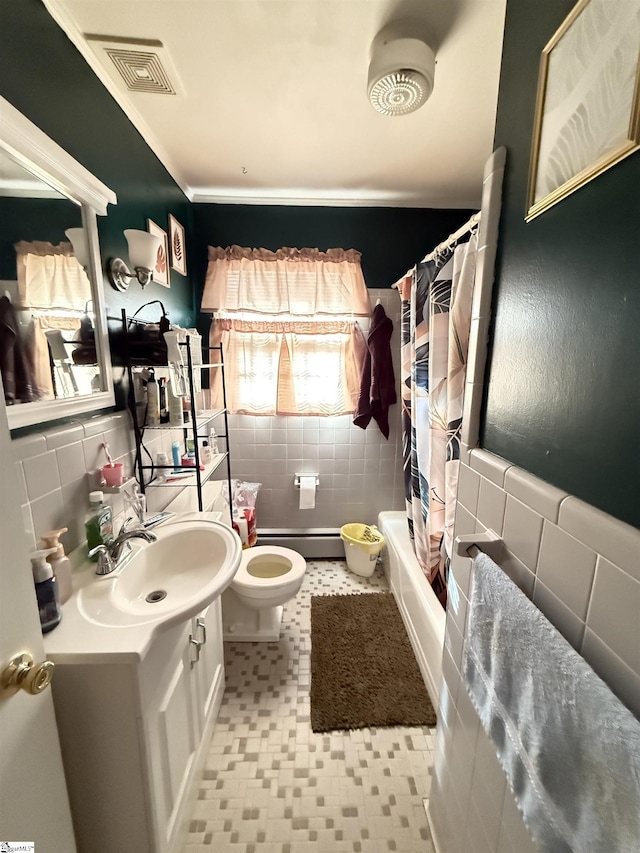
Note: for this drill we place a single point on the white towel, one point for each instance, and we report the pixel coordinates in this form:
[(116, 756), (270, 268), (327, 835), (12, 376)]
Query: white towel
[(570, 749)]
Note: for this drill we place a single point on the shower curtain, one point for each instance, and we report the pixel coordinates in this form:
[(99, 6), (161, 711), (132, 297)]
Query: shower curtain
[(436, 318)]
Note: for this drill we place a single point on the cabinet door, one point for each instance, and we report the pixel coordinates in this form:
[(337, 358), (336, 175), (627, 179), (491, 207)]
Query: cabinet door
[(173, 739), (208, 671)]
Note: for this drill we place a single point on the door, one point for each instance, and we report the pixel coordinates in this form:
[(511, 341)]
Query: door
[(170, 722), (207, 629), (33, 796)]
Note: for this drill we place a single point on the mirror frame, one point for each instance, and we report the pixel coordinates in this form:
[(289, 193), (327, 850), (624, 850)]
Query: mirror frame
[(39, 154)]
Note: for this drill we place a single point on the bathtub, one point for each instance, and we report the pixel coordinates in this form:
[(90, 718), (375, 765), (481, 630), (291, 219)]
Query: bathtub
[(421, 611)]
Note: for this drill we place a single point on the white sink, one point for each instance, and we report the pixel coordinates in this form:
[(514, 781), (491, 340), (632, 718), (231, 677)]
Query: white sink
[(189, 565)]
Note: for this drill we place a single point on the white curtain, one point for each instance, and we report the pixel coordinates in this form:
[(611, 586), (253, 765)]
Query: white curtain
[(297, 282), (50, 277), (284, 354)]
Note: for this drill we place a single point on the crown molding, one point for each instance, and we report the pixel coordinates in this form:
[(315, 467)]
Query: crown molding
[(318, 198)]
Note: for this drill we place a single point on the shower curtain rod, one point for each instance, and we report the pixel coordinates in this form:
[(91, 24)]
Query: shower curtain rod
[(446, 244), (452, 239)]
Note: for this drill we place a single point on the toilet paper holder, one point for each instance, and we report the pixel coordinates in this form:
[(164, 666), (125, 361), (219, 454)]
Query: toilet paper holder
[(296, 479)]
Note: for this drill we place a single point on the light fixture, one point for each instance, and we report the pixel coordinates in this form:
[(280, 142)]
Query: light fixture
[(401, 75), (143, 254), (78, 239)]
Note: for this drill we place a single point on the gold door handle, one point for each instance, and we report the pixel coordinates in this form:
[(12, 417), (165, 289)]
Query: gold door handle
[(23, 674)]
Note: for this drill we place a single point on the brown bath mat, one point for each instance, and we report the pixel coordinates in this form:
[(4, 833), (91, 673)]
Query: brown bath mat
[(363, 670)]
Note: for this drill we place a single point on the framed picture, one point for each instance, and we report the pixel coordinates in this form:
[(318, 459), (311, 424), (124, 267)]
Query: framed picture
[(161, 269), (176, 246), (588, 103)]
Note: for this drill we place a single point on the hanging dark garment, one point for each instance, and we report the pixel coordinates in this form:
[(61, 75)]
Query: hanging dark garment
[(378, 384), (14, 364)]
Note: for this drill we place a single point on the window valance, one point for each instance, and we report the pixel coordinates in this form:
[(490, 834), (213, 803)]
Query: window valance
[(294, 282), (50, 277)]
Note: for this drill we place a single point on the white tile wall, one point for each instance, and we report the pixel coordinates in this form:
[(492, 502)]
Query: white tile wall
[(56, 471), (567, 568), (551, 551), (360, 471)]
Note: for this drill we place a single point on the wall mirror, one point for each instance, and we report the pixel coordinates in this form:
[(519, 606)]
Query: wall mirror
[(54, 350)]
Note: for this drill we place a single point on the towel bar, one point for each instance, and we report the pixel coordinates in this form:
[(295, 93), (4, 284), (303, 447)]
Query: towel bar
[(463, 544)]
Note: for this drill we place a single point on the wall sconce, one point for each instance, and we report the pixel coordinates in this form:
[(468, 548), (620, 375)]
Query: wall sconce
[(78, 239), (143, 254)]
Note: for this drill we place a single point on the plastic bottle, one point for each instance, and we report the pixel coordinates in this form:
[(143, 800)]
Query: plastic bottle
[(163, 404), (175, 453), (59, 562), (153, 401), (175, 407), (46, 589), (213, 441), (162, 460), (98, 522), (205, 453)]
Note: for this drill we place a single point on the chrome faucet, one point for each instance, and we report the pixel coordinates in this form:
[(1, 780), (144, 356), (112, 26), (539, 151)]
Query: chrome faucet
[(110, 555)]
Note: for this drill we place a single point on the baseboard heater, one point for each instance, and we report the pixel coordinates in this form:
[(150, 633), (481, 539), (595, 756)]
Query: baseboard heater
[(315, 543)]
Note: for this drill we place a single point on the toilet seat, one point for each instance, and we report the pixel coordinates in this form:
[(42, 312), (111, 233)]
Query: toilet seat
[(267, 569)]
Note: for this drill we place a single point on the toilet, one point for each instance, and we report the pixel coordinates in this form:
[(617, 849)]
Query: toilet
[(268, 577)]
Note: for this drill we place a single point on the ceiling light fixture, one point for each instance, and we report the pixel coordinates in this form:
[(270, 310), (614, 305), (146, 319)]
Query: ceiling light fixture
[(401, 75), (143, 254)]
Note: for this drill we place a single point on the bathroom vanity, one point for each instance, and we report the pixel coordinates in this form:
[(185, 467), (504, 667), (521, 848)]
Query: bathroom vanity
[(135, 705)]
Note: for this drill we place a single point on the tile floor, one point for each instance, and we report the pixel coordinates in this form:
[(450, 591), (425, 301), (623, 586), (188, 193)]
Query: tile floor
[(270, 785)]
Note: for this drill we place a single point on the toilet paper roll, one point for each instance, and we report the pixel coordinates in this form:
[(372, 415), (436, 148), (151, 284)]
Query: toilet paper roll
[(307, 492)]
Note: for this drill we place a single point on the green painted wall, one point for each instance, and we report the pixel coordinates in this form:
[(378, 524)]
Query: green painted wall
[(43, 75), (391, 240), (563, 398), (33, 219)]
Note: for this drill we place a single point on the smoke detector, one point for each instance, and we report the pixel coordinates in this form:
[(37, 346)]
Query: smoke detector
[(401, 76)]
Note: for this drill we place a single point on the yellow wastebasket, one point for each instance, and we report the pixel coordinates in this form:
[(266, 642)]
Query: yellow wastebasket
[(362, 544)]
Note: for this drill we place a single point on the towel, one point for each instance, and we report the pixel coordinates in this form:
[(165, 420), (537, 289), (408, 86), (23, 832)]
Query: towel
[(15, 367), (570, 749), (377, 383)]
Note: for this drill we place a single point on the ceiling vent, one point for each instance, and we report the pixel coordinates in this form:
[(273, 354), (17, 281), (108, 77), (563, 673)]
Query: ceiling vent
[(143, 64), (401, 75)]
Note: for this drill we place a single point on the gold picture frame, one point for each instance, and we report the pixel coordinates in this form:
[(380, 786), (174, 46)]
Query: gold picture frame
[(588, 102), (177, 249), (161, 269)]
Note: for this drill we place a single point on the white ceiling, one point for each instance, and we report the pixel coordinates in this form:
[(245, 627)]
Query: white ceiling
[(272, 100)]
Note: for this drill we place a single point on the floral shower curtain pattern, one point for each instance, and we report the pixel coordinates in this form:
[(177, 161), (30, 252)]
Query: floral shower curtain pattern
[(436, 318)]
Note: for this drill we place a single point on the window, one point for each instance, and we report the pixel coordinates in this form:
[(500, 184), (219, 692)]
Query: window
[(287, 322)]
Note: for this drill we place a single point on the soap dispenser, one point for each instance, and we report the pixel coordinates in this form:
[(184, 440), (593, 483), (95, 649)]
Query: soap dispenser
[(46, 589), (98, 522), (59, 562)]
